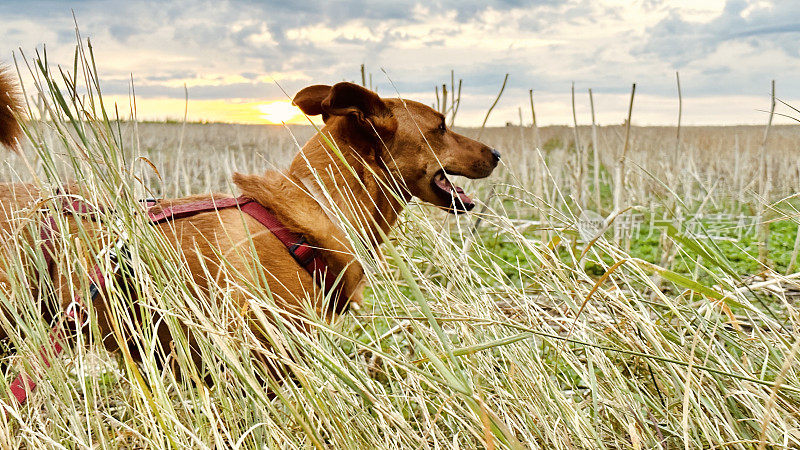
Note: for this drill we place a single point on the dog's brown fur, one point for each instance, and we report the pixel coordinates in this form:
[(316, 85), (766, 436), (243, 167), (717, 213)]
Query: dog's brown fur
[(10, 105), (386, 142)]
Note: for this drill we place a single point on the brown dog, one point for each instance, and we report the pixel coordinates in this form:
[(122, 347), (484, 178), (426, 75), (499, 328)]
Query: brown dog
[(389, 150)]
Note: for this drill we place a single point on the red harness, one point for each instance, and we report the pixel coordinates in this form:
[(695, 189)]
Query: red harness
[(297, 245)]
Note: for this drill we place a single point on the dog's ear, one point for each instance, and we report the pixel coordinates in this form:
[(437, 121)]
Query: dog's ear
[(347, 99), (309, 100)]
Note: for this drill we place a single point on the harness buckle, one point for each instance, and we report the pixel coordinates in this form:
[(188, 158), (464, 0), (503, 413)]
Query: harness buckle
[(297, 244), (311, 253), (73, 313)]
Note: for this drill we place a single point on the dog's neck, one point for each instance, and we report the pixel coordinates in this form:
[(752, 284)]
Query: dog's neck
[(354, 181), (325, 197)]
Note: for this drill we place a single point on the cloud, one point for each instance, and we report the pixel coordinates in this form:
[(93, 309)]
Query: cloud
[(236, 49), (736, 52), (757, 23)]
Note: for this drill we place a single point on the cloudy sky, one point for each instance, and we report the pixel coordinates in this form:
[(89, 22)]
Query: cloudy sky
[(235, 56)]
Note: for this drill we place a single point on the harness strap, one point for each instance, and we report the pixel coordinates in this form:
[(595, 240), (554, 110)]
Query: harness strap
[(296, 244), (189, 209), (23, 383)]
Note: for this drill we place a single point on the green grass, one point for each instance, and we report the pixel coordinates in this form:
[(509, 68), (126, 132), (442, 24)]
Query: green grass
[(738, 247)]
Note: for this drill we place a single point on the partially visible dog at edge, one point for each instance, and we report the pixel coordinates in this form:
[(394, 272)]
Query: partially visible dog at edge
[(396, 149)]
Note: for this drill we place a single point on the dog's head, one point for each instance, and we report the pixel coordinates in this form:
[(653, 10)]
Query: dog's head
[(412, 140)]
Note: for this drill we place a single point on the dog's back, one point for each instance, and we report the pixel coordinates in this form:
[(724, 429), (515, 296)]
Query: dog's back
[(10, 108), (11, 195)]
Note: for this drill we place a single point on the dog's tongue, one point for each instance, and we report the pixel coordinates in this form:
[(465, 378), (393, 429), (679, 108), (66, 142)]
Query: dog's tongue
[(446, 186)]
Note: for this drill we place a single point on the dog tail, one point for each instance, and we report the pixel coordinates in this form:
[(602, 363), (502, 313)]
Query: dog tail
[(10, 109)]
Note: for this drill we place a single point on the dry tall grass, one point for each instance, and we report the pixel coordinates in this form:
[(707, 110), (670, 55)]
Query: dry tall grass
[(522, 325)]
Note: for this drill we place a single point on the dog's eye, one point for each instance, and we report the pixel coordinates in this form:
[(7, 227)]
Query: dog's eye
[(442, 127)]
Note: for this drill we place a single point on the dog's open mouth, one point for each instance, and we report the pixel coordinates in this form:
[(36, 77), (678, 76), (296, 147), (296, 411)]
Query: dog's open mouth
[(460, 201)]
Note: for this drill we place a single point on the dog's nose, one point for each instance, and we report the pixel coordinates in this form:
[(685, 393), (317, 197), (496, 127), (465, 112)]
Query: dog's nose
[(496, 154)]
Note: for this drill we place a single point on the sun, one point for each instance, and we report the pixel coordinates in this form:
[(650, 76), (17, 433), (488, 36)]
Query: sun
[(279, 111)]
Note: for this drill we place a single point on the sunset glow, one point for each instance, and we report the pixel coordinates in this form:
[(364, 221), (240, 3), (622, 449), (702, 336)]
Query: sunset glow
[(280, 111)]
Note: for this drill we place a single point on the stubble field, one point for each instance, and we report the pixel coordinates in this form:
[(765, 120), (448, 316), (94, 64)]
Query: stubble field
[(644, 301)]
